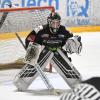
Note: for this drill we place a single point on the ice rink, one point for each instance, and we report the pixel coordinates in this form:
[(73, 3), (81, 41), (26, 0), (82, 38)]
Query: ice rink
[(87, 63)]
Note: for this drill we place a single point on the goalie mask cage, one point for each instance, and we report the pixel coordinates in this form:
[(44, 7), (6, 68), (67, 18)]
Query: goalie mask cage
[(18, 20)]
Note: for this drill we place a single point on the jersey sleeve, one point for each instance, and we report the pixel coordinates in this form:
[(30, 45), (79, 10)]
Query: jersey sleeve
[(30, 38), (68, 33), (38, 38)]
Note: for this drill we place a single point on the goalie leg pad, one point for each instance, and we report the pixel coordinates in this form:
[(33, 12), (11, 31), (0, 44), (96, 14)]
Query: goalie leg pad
[(65, 68), (32, 53), (29, 73)]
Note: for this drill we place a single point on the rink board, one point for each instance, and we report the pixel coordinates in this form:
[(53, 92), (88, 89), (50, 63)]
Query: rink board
[(76, 30)]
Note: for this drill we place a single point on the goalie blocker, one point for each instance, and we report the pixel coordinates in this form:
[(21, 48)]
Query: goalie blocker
[(58, 59)]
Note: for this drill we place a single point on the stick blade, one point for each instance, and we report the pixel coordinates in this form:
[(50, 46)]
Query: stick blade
[(48, 92)]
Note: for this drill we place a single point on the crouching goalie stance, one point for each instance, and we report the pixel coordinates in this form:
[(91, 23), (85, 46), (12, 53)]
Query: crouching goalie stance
[(53, 37)]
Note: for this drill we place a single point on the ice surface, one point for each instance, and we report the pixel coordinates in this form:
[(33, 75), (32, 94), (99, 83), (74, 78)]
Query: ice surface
[(87, 64)]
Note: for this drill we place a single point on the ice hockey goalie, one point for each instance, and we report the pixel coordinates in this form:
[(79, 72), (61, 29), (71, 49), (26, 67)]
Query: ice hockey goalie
[(53, 37)]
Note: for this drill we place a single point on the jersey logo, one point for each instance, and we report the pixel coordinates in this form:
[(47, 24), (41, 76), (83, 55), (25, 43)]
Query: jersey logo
[(45, 35)]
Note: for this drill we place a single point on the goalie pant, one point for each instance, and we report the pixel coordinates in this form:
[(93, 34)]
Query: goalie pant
[(58, 59), (87, 90)]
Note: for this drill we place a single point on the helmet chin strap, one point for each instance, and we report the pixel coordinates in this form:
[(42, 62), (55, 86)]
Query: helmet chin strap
[(53, 31)]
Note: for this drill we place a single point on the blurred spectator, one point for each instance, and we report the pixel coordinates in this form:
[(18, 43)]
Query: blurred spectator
[(86, 90)]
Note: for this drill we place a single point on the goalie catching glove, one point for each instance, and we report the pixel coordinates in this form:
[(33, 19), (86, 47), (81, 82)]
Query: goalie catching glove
[(74, 45)]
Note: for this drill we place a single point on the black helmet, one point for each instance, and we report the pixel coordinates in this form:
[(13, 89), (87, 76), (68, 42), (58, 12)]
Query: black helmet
[(54, 22), (55, 15)]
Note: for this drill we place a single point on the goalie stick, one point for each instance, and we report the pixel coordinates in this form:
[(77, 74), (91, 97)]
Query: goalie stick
[(55, 92), (44, 77), (41, 73), (20, 40)]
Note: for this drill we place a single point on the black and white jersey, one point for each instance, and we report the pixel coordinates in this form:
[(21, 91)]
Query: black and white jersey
[(82, 91), (48, 39)]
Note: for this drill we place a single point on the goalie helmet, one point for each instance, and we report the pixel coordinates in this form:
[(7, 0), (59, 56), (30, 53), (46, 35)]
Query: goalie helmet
[(54, 22)]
